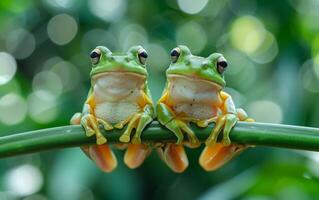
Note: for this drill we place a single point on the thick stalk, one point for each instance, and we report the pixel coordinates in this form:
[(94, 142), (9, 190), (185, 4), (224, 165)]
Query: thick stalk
[(286, 136)]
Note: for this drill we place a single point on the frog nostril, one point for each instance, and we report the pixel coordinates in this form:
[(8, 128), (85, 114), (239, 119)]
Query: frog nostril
[(205, 66)]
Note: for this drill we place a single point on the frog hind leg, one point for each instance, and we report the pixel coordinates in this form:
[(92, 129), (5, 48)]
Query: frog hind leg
[(174, 156), (214, 157), (102, 155), (136, 154)]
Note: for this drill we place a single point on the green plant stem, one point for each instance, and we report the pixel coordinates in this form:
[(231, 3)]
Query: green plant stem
[(296, 137)]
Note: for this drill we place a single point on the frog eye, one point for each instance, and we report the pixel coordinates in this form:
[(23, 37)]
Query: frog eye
[(95, 56), (142, 56), (221, 65), (175, 54)]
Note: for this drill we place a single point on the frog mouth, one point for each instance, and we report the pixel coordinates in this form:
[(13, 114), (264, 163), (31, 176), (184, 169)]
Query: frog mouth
[(196, 80)]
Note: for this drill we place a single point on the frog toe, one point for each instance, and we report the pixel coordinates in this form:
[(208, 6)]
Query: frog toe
[(119, 126), (136, 140), (125, 138), (226, 141), (89, 132), (76, 119), (202, 124), (101, 140), (106, 125), (193, 143)]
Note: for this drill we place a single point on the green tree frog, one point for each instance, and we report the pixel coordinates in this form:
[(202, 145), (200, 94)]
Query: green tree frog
[(193, 93), (119, 95)]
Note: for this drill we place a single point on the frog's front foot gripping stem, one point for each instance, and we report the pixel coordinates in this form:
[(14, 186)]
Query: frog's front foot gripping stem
[(102, 154), (91, 125), (138, 122), (225, 123)]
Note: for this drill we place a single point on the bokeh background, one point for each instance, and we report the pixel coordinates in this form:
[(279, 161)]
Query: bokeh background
[(273, 51)]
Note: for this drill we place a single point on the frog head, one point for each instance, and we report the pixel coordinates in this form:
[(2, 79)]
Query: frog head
[(211, 69), (104, 61)]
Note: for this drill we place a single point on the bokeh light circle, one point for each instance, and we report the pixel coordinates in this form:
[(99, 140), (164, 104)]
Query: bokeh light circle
[(132, 34), (8, 67), (62, 29), (13, 109), (20, 43), (24, 180), (68, 74), (192, 7), (265, 111), (267, 51), (95, 37), (42, 106), (158, 59), (49, 81), (192, 35), (64, 4), (107, 10), (247, 34)]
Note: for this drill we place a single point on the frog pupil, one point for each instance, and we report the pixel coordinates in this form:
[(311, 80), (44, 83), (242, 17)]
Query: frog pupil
[(142, 57), (174, 55), (94, 55), (143, 54), (223, 64)]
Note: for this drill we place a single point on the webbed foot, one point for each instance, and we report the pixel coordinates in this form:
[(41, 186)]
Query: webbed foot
[(91, 125), (226, 123)]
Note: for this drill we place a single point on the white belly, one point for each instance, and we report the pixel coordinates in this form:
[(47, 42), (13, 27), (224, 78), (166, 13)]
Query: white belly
[(114, 112), (116, 95), (118, 86), (194, 97), (197, 111)]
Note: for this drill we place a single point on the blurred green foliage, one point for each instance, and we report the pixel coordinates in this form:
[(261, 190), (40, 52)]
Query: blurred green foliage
[(273, 51)]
